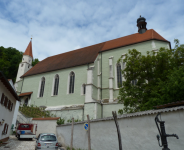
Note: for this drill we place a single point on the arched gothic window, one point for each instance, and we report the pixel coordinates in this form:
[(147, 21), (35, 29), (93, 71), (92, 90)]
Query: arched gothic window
[(119, 75), (71, 84), (56, 85), (42, 87), (83, 89)]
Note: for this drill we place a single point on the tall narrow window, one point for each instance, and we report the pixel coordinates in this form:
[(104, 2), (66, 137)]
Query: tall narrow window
[(72, 80), (119, 75), (26, 102), (2, 99), (42, 87), (83, 89), (56, 85), (134, 82)]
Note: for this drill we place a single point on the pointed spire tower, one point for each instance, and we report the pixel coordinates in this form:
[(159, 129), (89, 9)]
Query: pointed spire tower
[(26, 63), (29, 49)]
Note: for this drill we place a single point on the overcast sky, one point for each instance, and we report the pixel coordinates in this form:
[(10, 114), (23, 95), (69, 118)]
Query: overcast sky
[(58, 26)]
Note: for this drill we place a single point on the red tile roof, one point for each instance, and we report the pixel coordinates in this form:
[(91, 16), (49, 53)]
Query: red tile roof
[(133, 39), (88, 54), (29, 50), (27, 93)]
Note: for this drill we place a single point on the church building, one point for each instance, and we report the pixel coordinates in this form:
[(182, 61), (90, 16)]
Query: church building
[(83, 81)]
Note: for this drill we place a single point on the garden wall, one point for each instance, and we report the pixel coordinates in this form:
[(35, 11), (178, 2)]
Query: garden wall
[(138, 131), (45, 125)]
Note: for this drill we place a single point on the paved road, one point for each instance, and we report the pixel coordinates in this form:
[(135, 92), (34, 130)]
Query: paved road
[(15, 144)]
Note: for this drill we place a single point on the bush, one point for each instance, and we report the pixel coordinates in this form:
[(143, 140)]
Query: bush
[(60, 121), (34, 112)]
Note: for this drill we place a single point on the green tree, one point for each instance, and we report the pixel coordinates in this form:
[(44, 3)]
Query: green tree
[(147, 72), (35, 61), (9, 61), (170, 90)]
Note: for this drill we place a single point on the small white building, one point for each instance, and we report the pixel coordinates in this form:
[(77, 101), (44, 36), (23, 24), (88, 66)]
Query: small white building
[(8, 99)]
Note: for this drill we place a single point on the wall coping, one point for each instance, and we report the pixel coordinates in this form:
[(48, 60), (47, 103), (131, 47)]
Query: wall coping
[(48, 118), (137, 114)]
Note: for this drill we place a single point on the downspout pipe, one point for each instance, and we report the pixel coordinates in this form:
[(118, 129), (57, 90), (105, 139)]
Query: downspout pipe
[(101, 89)]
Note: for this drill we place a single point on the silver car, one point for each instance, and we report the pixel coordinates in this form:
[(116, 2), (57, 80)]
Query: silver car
[(46, 141)]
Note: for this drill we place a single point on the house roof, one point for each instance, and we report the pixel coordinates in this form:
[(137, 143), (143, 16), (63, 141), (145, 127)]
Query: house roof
[(25, 94), (8, 85), (88, 54), (29, 50)]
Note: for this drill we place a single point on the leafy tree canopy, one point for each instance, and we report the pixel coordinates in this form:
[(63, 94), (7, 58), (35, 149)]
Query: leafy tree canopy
[(9, 61), (35, 61), (154, 75)]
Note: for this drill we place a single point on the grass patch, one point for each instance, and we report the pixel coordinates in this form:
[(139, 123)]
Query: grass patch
[(35, 112)]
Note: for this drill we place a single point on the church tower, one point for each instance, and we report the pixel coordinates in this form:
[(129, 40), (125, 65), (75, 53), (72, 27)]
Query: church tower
[(26, 63), (141, 24)]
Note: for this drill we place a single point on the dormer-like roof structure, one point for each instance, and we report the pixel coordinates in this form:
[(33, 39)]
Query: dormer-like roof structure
[(88, 54), (29, 50)]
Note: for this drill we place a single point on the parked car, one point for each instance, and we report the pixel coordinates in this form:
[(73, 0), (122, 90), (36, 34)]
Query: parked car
[(46, 141), (25, 131)]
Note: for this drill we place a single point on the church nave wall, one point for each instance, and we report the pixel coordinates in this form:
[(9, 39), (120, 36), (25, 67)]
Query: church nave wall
[(31, 84)]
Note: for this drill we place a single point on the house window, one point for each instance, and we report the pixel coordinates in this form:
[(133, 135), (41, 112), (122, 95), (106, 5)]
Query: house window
[(6, 102), (28, 66), (2, 99), (134, 82), (56, 85), (42, 87), (9, 104), (22, 65), (119, 75), (5, 130), (71, 84), (83, 89), (26, 102)]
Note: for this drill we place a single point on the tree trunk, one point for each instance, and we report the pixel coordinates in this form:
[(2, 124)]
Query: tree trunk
[(118, 130)]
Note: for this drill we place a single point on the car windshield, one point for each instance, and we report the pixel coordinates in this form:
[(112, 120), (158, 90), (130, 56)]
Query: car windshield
[(48, 138)]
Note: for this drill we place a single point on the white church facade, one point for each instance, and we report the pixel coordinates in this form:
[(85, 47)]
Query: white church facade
[(83, 81)]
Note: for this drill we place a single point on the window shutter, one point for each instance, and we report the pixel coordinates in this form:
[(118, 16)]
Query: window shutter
[(6, 101), (3, 132), (2, 98), (9, 104), (7, 128)]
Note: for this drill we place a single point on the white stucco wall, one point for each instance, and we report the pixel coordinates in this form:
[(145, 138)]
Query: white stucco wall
[(5, 113), (45, 126), (137, 133), (15, 113)]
